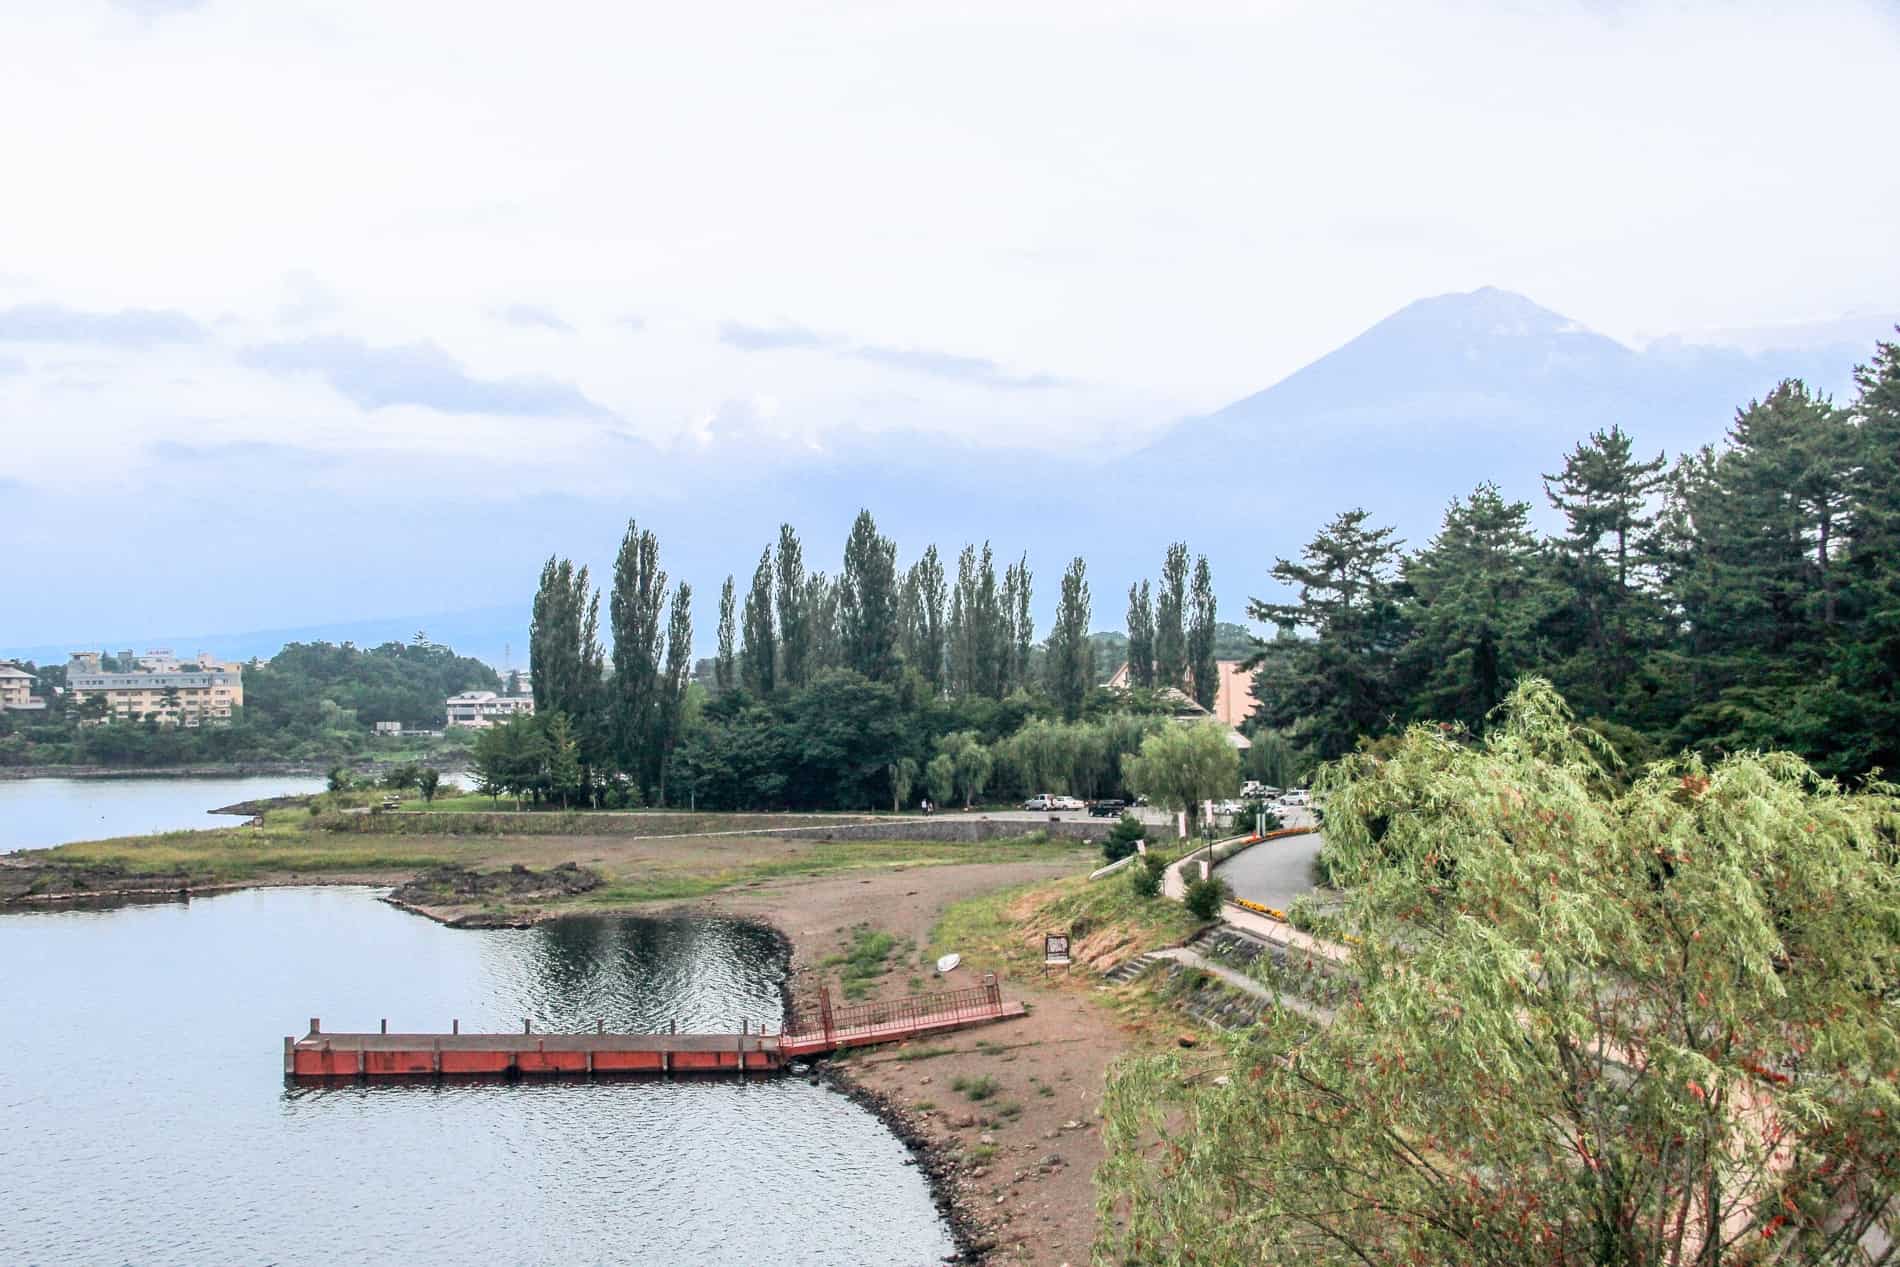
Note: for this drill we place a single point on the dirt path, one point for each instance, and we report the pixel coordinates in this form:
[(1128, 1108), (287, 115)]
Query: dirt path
[(1022, 1158)]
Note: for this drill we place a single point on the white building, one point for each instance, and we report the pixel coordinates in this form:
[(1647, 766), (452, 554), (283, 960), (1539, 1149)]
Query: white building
[(481, 709)]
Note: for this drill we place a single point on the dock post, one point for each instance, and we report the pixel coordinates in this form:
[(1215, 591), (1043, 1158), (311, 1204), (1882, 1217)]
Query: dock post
[(385, 1025), (600, 1027), (742, 1030), (437, 1045), (672, 1027), (524, 1025), (316, 1025), (290, 1055), (455, 1026)]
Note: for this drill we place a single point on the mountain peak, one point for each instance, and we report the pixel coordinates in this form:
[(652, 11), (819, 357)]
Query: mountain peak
[(1486, 311)]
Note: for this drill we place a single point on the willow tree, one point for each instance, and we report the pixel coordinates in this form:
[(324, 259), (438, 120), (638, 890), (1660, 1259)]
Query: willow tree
[(1180, 767), (1585, 1025)]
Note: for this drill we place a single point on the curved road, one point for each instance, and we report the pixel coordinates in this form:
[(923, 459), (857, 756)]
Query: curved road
[(1275, 872)]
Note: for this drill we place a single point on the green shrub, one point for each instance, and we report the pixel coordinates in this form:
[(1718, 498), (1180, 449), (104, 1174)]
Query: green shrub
[(1122, 837), (978, 1088), (1145, 877), (1204, 897)]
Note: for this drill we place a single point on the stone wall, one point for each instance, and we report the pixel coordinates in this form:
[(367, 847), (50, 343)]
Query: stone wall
[(950, 827)]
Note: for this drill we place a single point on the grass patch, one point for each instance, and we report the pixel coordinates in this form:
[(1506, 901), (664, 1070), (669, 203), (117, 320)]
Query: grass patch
[(921, 1053), (867, 959), (1009, 1111), (979, 1088)]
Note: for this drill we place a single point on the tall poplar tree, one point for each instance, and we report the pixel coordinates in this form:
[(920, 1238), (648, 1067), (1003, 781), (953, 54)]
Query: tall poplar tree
[(1018, 623), (758, 652), (930, 598), (1070, 667), (726, 661), (977, 641), (794, 626), (821, 609), (634, 609), (671, 704), (1171, 657), (867, 601), (1141, 636), (565, 656), (1202, 668)]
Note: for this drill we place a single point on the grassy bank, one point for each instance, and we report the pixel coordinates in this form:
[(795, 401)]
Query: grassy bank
[(636, 869), (1106, 921)]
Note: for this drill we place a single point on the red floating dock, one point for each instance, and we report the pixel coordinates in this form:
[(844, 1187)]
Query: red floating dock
[(319, 1055)]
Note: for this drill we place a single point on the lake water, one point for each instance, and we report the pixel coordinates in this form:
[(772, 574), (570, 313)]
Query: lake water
[(35, 813), (146, 1119)]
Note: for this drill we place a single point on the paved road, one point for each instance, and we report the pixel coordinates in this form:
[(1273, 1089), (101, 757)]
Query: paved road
[(1275, 872)]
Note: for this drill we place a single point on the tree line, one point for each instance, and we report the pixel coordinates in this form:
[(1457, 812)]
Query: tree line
[(1745, 597), (872, 686)]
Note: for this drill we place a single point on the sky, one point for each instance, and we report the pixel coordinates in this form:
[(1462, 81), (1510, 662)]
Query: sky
[(446, 252)]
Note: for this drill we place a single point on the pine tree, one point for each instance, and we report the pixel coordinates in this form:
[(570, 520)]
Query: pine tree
[(1071, 663), (1203, 669), (1141, 636), (1474, 607), (1612, 618), (1342, 683), (867, 601), (758, 653), (726, 663), (1171, 661), (794, 627), (634, 608)]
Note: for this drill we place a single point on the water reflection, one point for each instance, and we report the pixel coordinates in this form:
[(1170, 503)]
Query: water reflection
[(173, 1139)]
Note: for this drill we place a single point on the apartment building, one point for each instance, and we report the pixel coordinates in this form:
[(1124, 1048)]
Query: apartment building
[(173, 692), (16, 688), (482, 709)]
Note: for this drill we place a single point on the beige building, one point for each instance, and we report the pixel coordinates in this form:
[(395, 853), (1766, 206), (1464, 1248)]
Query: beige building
[(174, 693), (16, 688), (1233, 698), (482, 709)]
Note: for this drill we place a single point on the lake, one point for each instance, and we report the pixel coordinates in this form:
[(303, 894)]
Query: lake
[(35, 813), (147, 1120)]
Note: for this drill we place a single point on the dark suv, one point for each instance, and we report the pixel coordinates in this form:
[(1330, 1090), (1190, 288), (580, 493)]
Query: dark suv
[(1107, 809)]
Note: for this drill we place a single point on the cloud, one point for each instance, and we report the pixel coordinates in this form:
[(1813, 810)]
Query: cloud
[(129, 327), (305, 299), (768, 338), (159, 8), (418, 374), (977, 370), (241, 451), (534, 316), (11, 365), (631, 322)]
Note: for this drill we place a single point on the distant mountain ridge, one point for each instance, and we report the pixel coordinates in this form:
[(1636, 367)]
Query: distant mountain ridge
[(1414, 411)]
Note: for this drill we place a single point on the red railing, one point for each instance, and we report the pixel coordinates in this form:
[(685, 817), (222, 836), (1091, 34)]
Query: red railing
[(919, 1009)]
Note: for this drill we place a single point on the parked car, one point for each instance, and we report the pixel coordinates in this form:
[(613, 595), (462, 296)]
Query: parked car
[(1040, 801), (1069, 802), (1227, 807), (1295, 798), (1107, 809)]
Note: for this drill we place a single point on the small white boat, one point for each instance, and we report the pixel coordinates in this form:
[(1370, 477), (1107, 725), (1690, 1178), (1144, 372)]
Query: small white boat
[(948, 963)]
